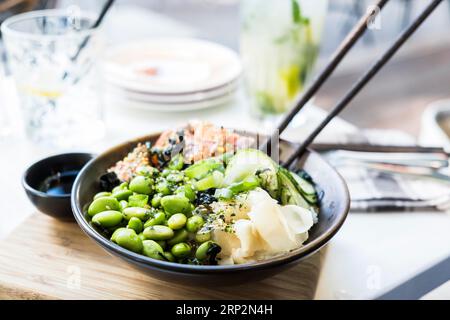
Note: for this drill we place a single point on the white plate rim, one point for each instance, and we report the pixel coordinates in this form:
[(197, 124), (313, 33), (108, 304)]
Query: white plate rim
[(115, 79)]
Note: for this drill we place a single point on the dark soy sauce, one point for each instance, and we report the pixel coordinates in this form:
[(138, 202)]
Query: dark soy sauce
[(59, 184)]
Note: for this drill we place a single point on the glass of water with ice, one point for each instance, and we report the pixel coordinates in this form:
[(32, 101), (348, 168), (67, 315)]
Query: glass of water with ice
[(53, 57), (279, 44)]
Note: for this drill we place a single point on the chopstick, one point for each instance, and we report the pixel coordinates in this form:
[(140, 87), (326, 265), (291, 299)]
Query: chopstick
[(336, 58), (354, 90)]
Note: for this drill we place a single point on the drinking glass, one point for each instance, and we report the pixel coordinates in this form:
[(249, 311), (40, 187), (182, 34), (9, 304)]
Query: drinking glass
[(53, 59), (279, 44), (5, 122)]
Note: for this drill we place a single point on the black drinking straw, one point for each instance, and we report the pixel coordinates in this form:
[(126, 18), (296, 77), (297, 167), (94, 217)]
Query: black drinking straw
[(99, 20), (97, 23), (372, 71), (317, 83)]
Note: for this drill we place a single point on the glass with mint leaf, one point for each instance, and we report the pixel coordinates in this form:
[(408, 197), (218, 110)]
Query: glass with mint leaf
[(279, 44)]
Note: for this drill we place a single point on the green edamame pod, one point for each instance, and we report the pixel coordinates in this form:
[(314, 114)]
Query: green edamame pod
[(158, 233), (107, 219), (152, 249), (141, 184), (175, 204), (179, 236), (194, 223), (138, 212), (207, 250), (128, 239), (158, 219), (102, 194), (176, 221), (135, 224), (103, 204), (181, 250)]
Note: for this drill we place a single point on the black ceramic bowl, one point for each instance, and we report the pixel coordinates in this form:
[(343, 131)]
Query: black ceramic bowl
[(333, 211), (55, 205)]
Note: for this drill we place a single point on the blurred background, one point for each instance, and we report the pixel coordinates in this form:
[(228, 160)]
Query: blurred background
[(420, 71)]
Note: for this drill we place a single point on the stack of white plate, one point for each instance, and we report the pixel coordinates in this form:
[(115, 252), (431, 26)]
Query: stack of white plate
[(172, 74)]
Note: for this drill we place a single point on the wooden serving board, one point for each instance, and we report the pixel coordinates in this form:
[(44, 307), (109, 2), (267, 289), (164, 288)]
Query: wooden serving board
[(48, 259)]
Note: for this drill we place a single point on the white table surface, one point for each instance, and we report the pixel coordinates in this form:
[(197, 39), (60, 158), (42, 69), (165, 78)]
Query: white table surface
[(370, 254)]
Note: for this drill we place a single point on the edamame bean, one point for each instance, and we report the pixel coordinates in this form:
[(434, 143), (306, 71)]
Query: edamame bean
[(177, 162), (206, 250), (156, 200), (158, 219), (158, 233), (122, 186), (162, 243), (177, 221), (141, 184), (181, 250), (166, 172), (138, 212), (175, 177), (122, 194), (175, 204), (138, 200), (162, 187), (147, 171), (202, 236), (103, 204), (102, 194), (194, 223), (179, 236), (128, 239), (123, 204), (152, 249), (187, 191), (135, 224), (169, 256), (107, 219)]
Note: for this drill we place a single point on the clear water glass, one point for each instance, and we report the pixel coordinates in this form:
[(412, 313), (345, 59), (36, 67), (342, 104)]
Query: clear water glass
[(279, 45), (57, 83), (5, 121)]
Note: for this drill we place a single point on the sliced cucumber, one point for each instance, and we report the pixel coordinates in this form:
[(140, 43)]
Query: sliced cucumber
[(201, 169), (223, 193), (304, 187), (289, 192), (214, 180), (251, 162)]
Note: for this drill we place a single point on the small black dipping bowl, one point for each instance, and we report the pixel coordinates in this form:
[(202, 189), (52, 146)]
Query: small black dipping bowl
[(48, 183)]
